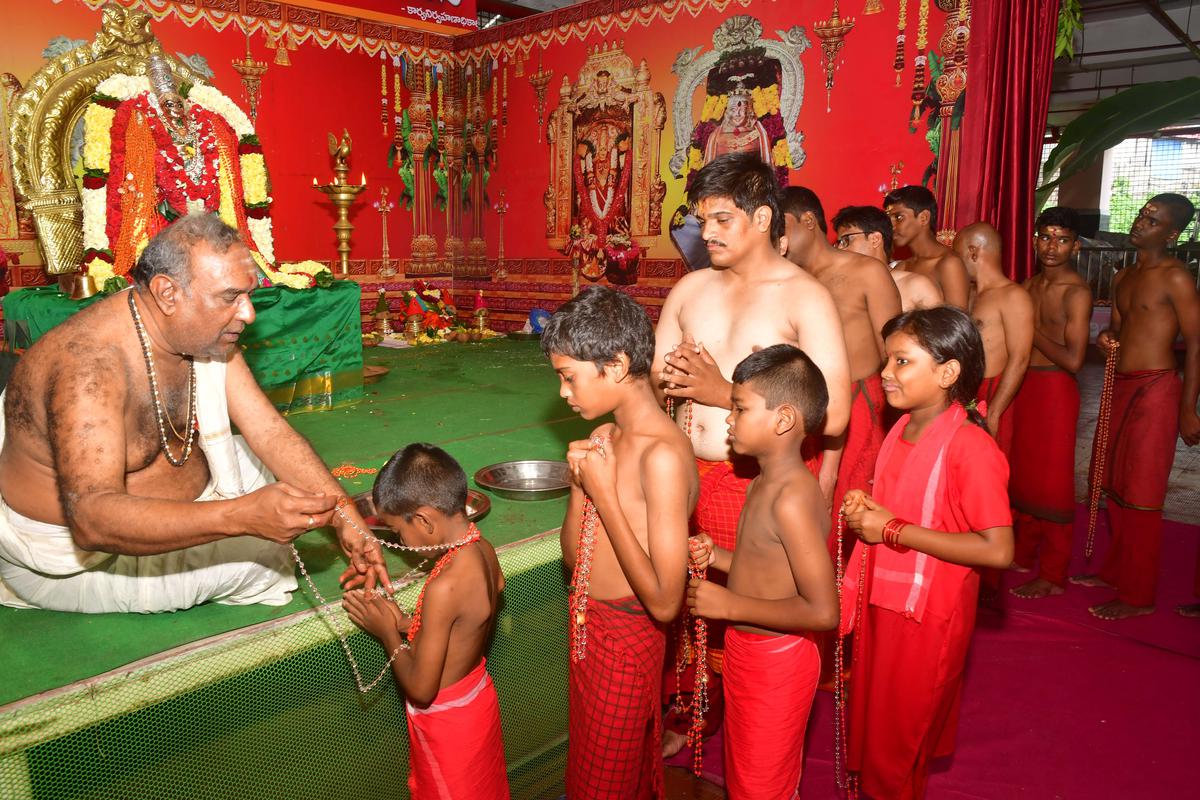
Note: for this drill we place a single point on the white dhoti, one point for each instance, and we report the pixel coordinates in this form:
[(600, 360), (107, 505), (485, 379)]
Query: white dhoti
[(40, 566)]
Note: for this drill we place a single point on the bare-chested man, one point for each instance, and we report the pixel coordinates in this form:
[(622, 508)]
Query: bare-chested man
[(913, 211), (713, 318), (1154, 302), (866, 298), (110, 442), (866, 230), (1045, 411), (1003, 313)]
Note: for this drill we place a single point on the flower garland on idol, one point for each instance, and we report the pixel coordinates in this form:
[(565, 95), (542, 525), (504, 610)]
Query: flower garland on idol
[(186, 170)]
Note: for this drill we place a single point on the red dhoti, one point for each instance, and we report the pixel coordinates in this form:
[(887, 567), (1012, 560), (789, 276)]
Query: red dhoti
[(456, 748), (1143, 428), (864, 435), (614, 743), (1042, 456), (986, 393), (769, 686)]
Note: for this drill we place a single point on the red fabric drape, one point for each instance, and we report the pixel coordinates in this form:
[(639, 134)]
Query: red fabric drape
[(1010, 57)]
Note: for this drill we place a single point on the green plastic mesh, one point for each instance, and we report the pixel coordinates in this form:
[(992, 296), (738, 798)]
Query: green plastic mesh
[(272, 711)]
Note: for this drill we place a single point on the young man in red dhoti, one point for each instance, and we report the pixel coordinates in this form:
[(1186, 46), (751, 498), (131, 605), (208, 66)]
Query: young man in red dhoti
[(456, 751), (866, 297), (780, 578), (634, 485), (939, 509), (1154, 302), (713, 318), (1046, 409), (1003, 313)]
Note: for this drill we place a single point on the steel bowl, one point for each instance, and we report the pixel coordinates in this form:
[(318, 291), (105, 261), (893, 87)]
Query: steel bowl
[(478, 505), (525, 480)]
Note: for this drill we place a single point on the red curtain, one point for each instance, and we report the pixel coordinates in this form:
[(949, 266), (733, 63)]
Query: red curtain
[(1010, 57)]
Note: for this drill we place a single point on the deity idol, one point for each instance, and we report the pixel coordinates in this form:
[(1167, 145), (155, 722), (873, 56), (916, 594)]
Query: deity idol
[(739, 131), (166, 156)]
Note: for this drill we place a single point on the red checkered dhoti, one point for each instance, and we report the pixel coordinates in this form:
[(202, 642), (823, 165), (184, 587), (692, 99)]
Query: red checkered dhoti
[(614, 743)]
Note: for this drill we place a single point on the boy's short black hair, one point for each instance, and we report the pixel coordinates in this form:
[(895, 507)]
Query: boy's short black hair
[(783, 373), (745, 179), (420, 475), (1179, 207), (916, 199), (1059, 217), (867, 219), (599, 325), (795, 200)]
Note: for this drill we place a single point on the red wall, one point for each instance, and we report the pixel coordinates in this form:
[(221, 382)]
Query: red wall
[(849, 149)]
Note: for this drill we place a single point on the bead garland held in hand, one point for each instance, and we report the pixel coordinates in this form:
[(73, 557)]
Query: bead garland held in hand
[(160, 413), (841, 777), (1100, 447), (581, 577), (473, 535)]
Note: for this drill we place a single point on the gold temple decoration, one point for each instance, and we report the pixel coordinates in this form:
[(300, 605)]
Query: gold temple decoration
[(919, 86), (540, 80), (480, 135), (873, 7), (384, 207), (895, 170), (832, 33), (419, 78), (282, 44), (342, 194), (50, 109), (501, 208), (453, 147), (251, 72), (901, 27), (610, 88), (950, 86)]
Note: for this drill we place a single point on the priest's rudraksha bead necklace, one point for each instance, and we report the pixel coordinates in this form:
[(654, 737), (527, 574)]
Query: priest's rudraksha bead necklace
[(160, 413)]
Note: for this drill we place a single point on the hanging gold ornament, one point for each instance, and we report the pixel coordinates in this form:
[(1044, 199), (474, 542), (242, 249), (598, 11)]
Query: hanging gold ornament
[(873, 7), (918, 90), (901, 26)]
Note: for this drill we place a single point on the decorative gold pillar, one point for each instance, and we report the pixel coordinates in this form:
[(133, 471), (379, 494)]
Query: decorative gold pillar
[(950, 86), (453, 148), (479, 142), (424, 246)]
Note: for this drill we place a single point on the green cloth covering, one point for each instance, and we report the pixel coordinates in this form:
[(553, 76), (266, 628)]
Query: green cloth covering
[(304, 347), (483, 402)]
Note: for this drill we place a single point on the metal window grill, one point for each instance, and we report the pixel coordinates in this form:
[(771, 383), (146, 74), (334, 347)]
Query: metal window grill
[(271, 712), (1142, 167)]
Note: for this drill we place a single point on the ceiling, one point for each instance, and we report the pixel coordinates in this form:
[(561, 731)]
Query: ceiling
[(1124, 43)]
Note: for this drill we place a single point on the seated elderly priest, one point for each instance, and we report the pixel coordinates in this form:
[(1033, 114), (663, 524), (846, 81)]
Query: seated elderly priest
[(117, 424)]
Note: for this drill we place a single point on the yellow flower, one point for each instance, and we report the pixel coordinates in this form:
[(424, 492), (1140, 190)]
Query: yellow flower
[(97, 123), (718, 108), (304, 268), (225, 209), (780, 154), (695, 159), (298, 281), (100, 271), (254, 178), (766, 101)]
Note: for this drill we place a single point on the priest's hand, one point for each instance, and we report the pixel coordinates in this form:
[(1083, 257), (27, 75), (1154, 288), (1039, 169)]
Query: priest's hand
[(692, 374), (709, 600), (279, 512), (367, 568)]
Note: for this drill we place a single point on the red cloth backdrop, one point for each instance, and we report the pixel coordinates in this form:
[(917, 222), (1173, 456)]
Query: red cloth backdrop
[(1010, 57)]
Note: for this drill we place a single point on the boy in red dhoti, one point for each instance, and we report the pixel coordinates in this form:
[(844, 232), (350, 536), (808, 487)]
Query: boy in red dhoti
[(456, 751), (625, 536), (939, 467), (780, 579), (713, 318), (1154, 302), (1046, 409)]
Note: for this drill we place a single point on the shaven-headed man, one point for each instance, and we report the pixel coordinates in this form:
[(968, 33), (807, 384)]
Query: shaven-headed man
[(913, 211), (1003, 313), (866, 230)]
